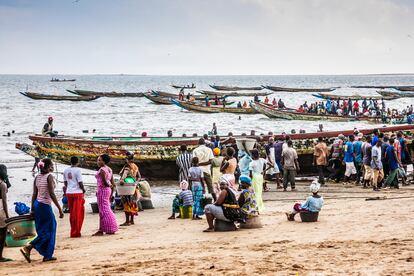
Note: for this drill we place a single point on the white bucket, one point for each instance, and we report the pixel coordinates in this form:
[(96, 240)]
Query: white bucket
[(126, 189), (249, 143)]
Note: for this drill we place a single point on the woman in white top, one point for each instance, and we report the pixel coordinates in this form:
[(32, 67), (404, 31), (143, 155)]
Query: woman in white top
[(257, 169)]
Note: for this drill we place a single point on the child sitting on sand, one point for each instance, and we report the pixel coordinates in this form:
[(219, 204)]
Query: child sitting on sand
[(184, 198), (313, 203)]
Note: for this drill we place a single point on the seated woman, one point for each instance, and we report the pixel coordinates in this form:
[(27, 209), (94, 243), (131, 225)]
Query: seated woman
[(247, 199), (184, 198), (226, 207), (313, 203)]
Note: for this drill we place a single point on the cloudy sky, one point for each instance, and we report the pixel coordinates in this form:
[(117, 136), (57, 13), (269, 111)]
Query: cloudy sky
[(206, 36)]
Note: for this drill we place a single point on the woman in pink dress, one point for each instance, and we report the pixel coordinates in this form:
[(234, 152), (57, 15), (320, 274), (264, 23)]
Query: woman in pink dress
[(104, 178)]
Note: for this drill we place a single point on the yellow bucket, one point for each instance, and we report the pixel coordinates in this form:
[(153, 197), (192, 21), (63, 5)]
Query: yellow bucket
[(186, 212)]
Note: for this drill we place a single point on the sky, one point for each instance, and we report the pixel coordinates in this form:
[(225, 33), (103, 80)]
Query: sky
[(206, 37)]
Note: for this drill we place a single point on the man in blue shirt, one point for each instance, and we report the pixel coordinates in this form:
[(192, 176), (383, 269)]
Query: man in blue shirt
[(349, 158), (358, 156), (394, 163), (375, 138)]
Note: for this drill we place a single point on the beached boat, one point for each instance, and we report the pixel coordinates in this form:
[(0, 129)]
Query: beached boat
[(272, 112), (396, 87), (233, 93), (235, 88), (212, 109), (397, 95), (112, 94), (183, 86), (175, 96), (39, 96), (156, 156), (62, 80), (354, 97), (298, 89)]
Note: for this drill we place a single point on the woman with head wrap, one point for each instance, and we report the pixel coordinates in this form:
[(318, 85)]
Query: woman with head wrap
[(313, 203), (184, 198), (130, 202), (247, 198)]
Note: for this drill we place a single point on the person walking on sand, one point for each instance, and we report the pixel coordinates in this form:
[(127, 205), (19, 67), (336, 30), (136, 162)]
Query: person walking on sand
[(196, 181), (205, 156), (4, 214), (376, 165), (75, 191), (290, 166), (349, 158), (183, 162), (320, 159), (42, 198), (130, 202), (104, 179), (257, 170)]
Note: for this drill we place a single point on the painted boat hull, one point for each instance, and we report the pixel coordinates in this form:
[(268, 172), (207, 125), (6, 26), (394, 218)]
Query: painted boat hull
[(38, 96), (175, 96), (213, 109), (288, 89), (182, 87), (232, 93), (105, 94), (396, 94), (334, 97), (234, 88)]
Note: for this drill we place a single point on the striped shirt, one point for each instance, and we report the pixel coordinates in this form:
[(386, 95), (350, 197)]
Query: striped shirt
[(183, 162), (187, 197), (43, 194)]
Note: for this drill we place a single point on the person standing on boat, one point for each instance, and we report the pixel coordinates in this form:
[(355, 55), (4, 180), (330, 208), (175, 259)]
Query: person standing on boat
[(183, 162), (105, 184), (205, 156), (4, 214), (290, 166), (75, 191), (43, 195), (130, 202), (320, 159), (48, 128)]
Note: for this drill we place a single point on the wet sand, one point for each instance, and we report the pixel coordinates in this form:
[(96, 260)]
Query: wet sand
[(353, 237)]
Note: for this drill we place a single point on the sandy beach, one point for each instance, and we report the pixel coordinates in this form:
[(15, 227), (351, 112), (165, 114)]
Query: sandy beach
[(353, 237)]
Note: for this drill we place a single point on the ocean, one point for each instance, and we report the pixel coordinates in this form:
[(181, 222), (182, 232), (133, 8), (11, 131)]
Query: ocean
[(132, 116)]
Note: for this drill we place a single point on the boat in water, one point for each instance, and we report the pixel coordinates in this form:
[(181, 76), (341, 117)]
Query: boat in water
[(192, 86), (156, 156), (167, 100), (397, 95), (396, 87), (234, 88), (190, 106), (355, 97), (298, 89), (61, 80), (290, 114), (176, 96), (112, 94), (233, 93), (39, 96)]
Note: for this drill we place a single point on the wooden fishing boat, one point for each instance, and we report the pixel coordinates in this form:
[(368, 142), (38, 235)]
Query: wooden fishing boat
[(112, 94), (175, 96), (183, 86), (354, 97), (396, 87), (233, 93), (397, 95), (234, 88), (156, 155), (213, 109), (38, 96), (167, 100), (62, 80), (272, 112), (299, 89)]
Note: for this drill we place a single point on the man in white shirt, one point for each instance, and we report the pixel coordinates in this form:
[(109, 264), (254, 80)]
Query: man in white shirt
[(205, 155), (74, 191)]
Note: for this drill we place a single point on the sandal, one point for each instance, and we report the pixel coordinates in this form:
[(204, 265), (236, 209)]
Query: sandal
[(99, 233), (125, 224), (49, 259), (209, 230), (26, 255), (3, 260)]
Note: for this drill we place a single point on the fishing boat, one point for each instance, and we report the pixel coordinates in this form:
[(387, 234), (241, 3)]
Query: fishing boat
[(299, 89), (233, 93), (234, 88), (39, 96), (396, 87), (397, 95), (112, 94), (184, 86), (212, 109), (61, 80), (167, 100), (272, 112), (156, 156), (354, 97), (175, 96)]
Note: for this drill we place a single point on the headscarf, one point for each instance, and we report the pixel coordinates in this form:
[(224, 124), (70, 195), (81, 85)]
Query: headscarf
[(314, 187), (245, 179), (341, 136), (216, 151), (224, 179), (184, 185)]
